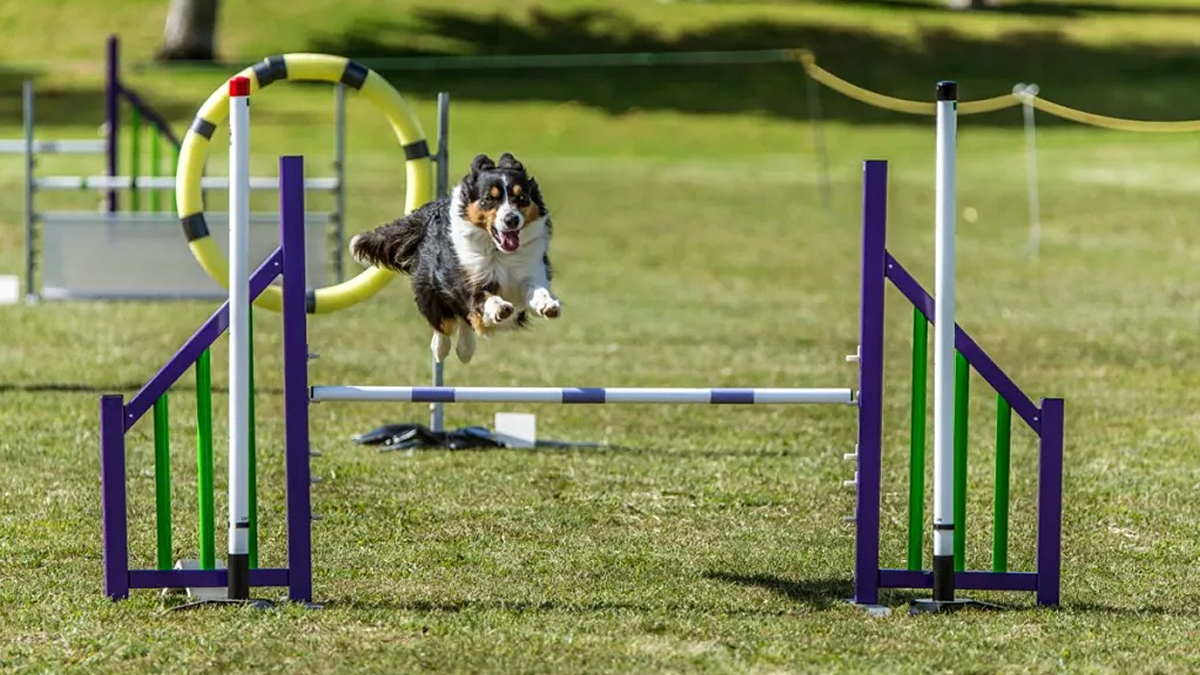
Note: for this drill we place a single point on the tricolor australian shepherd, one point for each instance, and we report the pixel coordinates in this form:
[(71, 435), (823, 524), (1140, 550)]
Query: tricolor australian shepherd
[(479, 260)]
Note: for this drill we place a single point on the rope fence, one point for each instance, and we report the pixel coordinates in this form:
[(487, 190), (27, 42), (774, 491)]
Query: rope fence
[(985, 105)]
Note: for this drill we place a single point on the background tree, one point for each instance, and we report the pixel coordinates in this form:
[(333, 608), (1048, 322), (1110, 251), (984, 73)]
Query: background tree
[(190, 31)]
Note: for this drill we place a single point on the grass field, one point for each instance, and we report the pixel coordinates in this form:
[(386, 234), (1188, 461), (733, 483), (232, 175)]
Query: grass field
[(691, 249)]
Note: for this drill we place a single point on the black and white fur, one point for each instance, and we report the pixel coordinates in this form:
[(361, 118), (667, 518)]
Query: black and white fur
[(479, 259)]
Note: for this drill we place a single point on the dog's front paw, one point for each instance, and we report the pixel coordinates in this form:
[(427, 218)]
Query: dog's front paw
[(497, 310), (545, 305)]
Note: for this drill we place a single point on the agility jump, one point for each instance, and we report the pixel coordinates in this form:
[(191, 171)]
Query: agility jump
[(955, 352)]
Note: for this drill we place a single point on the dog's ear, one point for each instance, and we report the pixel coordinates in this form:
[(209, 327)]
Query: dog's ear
[(481, 163), (507, 161)]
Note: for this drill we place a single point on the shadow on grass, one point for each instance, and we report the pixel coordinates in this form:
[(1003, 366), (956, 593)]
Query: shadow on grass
[(1136, 81), (1065, 10), (817, 593)]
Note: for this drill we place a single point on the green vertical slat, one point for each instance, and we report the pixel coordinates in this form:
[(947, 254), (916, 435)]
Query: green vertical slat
[(155, 161), (204, 460), (962, 379), (916, 455), (253, 473), (1000, 529), (135, 156), (162, 481)]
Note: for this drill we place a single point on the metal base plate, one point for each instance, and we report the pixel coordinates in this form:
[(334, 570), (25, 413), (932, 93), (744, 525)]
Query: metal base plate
[(930, 606), (256, 603)]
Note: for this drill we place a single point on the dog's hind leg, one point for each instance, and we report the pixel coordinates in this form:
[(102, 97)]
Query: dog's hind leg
[(440, 345), (465, 348)]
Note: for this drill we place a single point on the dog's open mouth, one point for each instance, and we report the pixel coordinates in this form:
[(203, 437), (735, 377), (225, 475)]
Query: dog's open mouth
[(507, 240)]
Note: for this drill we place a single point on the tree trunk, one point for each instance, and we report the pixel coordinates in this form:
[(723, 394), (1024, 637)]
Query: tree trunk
[(190, 31)]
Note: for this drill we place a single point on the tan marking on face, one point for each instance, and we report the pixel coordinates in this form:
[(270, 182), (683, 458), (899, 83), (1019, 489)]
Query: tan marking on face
[(482, 218), (516, 190), (531, 213), (495, 192)]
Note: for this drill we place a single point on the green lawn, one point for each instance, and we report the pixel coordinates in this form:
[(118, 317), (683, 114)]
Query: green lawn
[(691, 249)]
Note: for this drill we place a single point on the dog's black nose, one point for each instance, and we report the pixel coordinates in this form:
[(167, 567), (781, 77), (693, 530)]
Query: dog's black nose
[(512, 219)]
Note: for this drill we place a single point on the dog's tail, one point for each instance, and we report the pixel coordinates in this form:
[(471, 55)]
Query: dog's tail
[(393, 245)]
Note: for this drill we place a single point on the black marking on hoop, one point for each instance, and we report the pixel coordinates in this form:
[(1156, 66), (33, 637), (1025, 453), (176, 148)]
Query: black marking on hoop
[(310, 302), (947, 90), (242, 526), (270, 69), (417, 150), (943, 527), (194, 226), (354, 75), (203, 127)]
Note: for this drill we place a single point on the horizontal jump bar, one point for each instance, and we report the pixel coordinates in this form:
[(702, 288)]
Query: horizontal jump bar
[(578, 395), (166, 183), (16, 146)]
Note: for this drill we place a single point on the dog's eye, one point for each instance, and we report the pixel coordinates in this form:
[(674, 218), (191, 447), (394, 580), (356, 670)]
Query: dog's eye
[(522, 199)]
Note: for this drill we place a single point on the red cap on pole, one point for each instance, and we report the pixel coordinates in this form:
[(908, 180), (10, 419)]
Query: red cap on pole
[(239, 86)]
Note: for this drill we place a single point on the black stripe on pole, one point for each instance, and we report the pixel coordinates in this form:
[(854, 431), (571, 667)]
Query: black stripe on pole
[(310, 302), (943, 578), (239, 576)]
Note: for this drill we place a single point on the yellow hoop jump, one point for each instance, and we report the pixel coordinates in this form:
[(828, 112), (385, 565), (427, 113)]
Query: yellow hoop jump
[(310, 67)]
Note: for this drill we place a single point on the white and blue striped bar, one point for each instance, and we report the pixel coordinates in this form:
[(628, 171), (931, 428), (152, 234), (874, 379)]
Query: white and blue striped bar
[(578, 395)]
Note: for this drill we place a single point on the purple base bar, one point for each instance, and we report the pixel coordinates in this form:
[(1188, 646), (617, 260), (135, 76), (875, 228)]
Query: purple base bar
[(295, 379), (975, 581), (870, 384), (262, 576)]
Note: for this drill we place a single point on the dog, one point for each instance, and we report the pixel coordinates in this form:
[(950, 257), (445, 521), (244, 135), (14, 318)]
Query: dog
[(479, 259)]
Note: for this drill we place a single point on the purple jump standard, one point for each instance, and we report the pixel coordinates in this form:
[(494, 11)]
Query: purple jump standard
[(878, 268), (118, 417), (1045, 421)]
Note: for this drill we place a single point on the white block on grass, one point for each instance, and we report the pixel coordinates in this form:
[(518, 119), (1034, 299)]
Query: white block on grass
[(10, 289), (517, 430)]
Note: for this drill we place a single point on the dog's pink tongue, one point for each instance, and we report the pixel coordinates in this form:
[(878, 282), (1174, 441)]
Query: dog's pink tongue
[(510, 241)]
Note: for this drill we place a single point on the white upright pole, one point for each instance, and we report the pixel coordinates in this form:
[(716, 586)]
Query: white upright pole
[(239, 338), (943, 345)]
